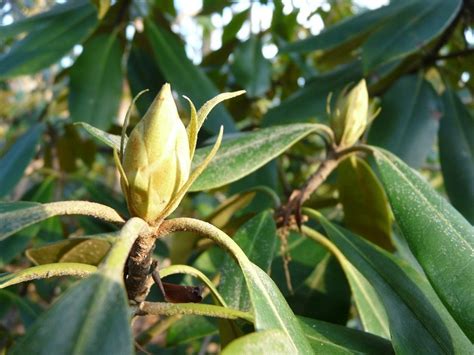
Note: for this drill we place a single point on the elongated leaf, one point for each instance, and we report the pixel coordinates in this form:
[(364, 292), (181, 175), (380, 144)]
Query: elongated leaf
[(46, 271), (308, 104), (185, 77), (258, 241), (15, 161), (240, 156), (252, 71), (439, 237), (77, 250), (366, 210), (266, 342), (428, 19), (112, 140), (93, 316), (14, 221), (409, 120), (269, 307), (417, 317), (369, 307), (48, 42), (346, 34), (335, 339), (456, 150), (96, 82)]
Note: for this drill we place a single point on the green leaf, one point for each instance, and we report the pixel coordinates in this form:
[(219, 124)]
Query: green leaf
[(456, 151), (418, 319), (233, 27), (330, 338), (269, 307), (366, 209), (18, 219), (439, 237), (185, 77), (112, 140), (308, 104), (347, 34), (14, 162), (96, 82), (369, 307), (46, 271), (240, 156), (257, 238), (189, 328), (92, 317), (265, 342), (28, 310), (392, 41), (77, 250), (408, 122), (252, 71), (48, 41)]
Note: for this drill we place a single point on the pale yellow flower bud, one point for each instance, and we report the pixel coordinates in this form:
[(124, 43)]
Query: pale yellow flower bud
[(156, 159), (350, 118)]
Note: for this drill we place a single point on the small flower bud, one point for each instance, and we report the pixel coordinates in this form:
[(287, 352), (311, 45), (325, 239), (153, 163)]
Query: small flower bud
[(350, 118), (156, 159)]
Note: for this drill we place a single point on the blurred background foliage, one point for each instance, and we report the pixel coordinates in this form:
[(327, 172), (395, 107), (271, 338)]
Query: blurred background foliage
[(64, 62)]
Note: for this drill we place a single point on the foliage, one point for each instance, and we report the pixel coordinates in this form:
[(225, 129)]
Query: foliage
[(304, 217)]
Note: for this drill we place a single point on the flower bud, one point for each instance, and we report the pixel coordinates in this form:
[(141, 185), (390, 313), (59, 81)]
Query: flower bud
[(156, 160), (350, 118)]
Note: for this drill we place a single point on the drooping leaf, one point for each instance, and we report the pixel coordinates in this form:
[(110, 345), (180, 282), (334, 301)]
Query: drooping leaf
[(252, 71), (366, 209), (48, 41), (257, 238), (308, 104), (14, 162), (408, 122), (428, 19), (96, 82), (438, 236), (185, 77), (456, 150), (93, 316), (27, 215), (240, 156), (416, 316), (335, 339)]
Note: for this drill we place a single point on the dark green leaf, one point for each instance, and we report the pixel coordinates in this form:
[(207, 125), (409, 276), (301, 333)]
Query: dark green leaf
[(91, 318), (409, 120), (251, 70), (49, 41), (189, 328), (96, 82), (14, 162), (257, 238), (427, 20), (439, 237), (418, 319), (240, 156), (456, 150), (330, 338), (309, 103), (230, 30), (366, 209), (185, 77)]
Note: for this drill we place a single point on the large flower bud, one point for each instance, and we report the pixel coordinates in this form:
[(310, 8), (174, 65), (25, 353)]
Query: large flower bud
[(156, 160), (350, 118)]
